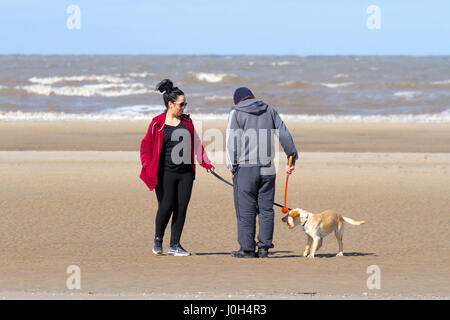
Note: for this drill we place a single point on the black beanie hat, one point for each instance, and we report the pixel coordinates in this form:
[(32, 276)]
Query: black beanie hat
[(242, 93)]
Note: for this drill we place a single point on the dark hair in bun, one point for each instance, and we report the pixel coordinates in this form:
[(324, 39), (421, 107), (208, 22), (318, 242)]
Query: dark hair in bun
[(170, 93)]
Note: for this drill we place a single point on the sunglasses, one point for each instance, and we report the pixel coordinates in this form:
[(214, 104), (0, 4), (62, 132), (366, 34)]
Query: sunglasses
[(183, 104)]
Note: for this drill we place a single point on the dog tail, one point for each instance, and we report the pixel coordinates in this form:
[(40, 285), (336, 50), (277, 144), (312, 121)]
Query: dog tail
[(353, 222)]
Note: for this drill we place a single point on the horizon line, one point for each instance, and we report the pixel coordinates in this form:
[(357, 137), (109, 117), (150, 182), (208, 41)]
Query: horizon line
[(225, 55)]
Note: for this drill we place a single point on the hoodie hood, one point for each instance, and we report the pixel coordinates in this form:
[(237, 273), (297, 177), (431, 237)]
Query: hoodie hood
[(252, 106)]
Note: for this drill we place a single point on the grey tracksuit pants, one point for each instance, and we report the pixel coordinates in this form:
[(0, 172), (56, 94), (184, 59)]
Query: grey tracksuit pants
[(254, 195)]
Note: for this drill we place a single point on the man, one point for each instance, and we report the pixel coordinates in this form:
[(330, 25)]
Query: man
[(250, 153)]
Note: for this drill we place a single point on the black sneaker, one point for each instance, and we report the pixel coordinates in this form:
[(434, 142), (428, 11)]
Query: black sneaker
[(263, 252), (157, 246), (243, 254), (178, 251)]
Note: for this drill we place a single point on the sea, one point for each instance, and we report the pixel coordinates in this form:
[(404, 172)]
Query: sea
[(301, 88)]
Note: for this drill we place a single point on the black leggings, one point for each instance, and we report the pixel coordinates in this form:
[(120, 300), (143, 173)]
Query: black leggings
[(173, 192)]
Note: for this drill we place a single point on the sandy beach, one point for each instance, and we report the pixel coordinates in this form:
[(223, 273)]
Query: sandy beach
[(320, 136), (70, 195)]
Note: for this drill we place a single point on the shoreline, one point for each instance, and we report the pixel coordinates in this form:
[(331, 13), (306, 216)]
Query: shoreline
[(430, 118)]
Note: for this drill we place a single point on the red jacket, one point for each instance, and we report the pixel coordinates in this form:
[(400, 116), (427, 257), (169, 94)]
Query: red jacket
[(151, 147)]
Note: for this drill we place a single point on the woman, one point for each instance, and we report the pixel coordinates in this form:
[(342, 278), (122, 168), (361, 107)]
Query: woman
[(168, 166)]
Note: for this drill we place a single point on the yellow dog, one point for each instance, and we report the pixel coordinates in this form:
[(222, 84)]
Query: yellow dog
[(318, 226)]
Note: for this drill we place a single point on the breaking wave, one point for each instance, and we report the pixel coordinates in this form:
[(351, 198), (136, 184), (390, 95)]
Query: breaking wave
[(147, 112), (280, 63), (98, 78), (136, 110), (88, 90), (342, 76), (441, 82), (213, 77), (408, 95), (219, 98), (116, 78), (336, 85)]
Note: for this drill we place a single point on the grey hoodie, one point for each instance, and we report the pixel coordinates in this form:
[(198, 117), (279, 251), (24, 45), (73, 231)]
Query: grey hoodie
[(252, 125)]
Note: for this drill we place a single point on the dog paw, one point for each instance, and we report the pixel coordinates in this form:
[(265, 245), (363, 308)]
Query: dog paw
[(305, 254), (340, 254), (310, 257)]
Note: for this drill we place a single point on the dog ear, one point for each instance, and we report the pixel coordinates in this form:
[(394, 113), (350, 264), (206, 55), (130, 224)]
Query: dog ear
[(284, 219)]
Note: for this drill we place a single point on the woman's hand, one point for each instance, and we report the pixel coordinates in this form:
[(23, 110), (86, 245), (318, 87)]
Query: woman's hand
[(208, 167)]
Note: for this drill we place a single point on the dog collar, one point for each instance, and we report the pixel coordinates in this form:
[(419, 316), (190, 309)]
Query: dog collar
[(306, 221)]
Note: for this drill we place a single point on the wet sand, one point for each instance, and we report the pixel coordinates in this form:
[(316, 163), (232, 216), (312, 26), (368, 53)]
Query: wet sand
[(127, 136)]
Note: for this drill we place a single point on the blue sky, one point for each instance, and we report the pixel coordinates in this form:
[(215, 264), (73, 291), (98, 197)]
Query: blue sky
[(289, 27)]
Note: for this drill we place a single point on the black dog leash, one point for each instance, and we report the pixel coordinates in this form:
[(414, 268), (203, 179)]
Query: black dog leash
[(222, 179)]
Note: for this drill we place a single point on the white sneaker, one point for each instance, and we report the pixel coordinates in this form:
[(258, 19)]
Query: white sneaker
[(177, 251)]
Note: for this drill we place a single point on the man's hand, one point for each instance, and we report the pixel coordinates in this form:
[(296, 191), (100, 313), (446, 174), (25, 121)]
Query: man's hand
[(289, 170)]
